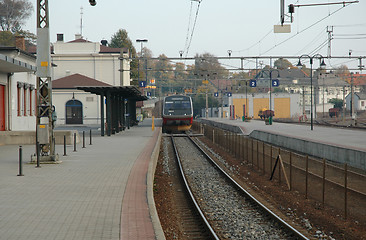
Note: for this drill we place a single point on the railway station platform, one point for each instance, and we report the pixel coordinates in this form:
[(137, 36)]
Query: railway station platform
[(102, 191), (340, 145)]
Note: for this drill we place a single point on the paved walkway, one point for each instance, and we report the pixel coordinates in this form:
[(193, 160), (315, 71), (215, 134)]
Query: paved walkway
[(87, 196), (343, 137)]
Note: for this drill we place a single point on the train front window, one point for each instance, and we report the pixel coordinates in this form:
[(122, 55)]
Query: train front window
[(177, 107)]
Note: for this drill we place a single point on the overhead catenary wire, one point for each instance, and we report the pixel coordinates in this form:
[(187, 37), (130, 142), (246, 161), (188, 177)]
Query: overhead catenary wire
[(193, 28), (189, 25)]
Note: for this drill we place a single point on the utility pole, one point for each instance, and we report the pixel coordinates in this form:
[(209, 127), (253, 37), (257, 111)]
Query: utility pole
[(330, 37), (44, 130)]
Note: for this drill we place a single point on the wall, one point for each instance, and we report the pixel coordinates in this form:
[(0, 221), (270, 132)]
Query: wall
[(336, 154), (91, 105)]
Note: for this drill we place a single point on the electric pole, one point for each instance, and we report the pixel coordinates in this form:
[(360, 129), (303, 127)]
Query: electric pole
[(45, 141)]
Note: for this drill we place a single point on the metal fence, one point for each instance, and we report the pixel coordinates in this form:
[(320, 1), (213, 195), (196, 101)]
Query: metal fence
[(329, 184)]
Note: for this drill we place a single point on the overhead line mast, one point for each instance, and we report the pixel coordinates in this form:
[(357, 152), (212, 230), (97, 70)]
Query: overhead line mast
[(45, 139)]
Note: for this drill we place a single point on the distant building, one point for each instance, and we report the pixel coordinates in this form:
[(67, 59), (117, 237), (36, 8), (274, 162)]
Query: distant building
[(83, 63), (359, 101), (75, 106), (91, 59)]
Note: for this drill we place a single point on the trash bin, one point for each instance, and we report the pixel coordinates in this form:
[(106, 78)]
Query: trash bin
[(243, 118)]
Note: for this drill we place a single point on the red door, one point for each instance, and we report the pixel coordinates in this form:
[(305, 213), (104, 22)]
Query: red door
[(2, 108)]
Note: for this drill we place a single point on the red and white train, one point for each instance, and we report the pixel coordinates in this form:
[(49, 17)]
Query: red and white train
[(177, 113)]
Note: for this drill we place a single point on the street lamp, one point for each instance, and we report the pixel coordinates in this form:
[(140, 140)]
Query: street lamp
[(270, 71), (138, 65), (322, 65)]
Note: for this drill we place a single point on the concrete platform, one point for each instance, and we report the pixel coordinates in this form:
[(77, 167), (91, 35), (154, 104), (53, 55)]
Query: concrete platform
[(334, 144), (103, 191)]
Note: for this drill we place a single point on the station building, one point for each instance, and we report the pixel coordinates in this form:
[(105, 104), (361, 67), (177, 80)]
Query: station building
[(17, 89)]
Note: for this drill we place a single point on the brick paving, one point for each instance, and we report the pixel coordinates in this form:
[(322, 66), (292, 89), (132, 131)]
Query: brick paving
[(81, 198)]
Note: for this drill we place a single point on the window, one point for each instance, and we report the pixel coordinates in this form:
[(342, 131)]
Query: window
[(19, 98), (25, 101), (362, 103), (30, 101)]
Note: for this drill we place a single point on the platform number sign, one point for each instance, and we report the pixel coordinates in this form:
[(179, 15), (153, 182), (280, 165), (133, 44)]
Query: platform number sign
[(229, 94), (216, 94), (149, 94), (252, 83), (275, 83), (142, 84)]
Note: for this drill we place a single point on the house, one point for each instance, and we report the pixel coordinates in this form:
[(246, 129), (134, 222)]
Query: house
[(359, 103), (326, 86), (17, 89), (75, 106), (81, 63), (91, 59)]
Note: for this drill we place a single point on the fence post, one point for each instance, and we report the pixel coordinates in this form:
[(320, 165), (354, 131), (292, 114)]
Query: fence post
[(213, 136), (290, 171), (90, 134), (345, 191), (252, 152), (279, 169), (323, 190), (306, 177), (258, 154), (263, 159), (271, 156)]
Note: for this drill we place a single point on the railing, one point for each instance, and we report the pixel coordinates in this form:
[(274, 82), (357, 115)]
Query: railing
[(317, 179)]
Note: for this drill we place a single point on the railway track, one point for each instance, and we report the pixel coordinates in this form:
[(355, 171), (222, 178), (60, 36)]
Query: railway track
[(229, 211)]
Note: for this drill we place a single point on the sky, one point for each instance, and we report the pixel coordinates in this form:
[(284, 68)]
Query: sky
[(242, 26)]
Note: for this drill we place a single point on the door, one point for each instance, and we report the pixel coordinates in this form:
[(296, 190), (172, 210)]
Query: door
[(2, 108), (74, 112)]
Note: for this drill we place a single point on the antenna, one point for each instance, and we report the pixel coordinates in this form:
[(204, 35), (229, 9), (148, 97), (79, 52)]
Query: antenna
[(81, 21)]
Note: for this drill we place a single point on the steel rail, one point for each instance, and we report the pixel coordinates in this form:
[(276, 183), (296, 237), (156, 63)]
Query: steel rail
[(267, 210), (208, 226)]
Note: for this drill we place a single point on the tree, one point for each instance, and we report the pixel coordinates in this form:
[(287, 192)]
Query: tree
[(13, 13), (121, 40), (207, 64), (282, 63), (338, 103), (7, 38), (342, 71)]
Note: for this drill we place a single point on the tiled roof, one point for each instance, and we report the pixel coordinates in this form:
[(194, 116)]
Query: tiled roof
[(75, 80), (105, 49), (79, 40)]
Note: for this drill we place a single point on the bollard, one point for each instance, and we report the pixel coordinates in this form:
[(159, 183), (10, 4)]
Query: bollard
[(38, 154), (90, 136), (83, 139), (20, 161), (65, 145), (74, 142)]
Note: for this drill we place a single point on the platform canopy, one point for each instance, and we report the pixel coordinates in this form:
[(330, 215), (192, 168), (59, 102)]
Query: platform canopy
[(120, 106), (128, 92)]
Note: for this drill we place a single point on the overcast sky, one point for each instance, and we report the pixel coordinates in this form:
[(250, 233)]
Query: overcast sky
[(243, 26)]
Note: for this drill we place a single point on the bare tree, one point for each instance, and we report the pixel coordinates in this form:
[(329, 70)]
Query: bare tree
[(13, 13)]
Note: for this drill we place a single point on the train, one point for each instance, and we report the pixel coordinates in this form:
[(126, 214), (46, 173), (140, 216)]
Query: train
[(177, 114)]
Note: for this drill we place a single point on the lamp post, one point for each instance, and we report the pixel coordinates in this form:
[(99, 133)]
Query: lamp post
[(138, 65), (322, 64), (270, 71)]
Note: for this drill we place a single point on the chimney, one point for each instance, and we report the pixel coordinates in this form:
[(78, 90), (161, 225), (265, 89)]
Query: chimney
[(20, 42), (60, 37), (78, 36), (104, 42)]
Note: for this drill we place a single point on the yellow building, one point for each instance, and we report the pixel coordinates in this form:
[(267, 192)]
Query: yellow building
[(284, 105)]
